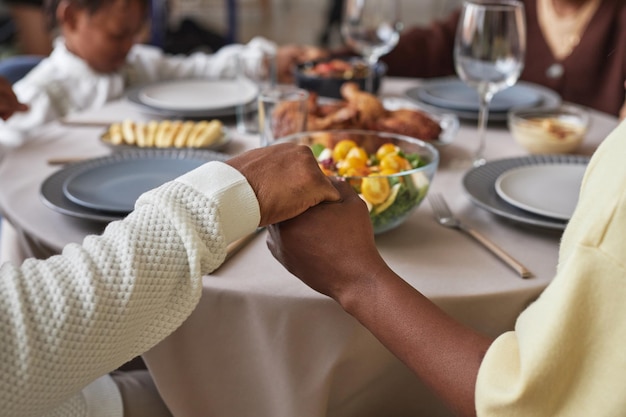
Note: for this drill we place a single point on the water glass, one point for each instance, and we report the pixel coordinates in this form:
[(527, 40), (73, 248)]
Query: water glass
[(372, 28), (259, 67), (283, 110), (489, 53)]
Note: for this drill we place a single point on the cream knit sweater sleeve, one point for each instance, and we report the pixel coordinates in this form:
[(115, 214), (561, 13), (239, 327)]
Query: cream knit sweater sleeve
[(70, 319)]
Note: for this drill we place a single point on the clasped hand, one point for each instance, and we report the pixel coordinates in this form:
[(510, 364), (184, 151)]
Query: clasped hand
[(286, 180), (313, 222), (330, 247)]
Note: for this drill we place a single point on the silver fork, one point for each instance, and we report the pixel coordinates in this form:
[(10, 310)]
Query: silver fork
[(445, 217)]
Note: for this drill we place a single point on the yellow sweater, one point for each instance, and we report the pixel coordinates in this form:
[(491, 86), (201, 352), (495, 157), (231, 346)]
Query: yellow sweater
[(567, 355)]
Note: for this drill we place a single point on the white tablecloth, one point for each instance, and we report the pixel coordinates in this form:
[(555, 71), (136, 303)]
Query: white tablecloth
[(260, 343)]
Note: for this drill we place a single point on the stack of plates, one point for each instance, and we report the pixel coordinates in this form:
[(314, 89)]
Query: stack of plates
[(105, 189), (539, 190), (195, 98), (452, 94)]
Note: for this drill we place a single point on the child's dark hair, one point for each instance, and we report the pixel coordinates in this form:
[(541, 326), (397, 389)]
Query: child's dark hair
[(91, 6)]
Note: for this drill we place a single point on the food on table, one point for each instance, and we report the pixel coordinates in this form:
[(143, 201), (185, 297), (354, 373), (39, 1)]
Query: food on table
[(165, 133), (362, 110), (286, 118), (368, 106), (338, 68), (551, 129), (325, 78), (383, 178), (558, 130), (410, 122)]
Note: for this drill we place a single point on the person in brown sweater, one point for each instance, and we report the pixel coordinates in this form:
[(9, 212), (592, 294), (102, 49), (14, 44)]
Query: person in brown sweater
[(574, 47)]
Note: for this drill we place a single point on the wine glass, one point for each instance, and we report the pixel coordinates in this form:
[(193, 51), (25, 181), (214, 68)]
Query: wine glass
[(372, 28), (489, 51)]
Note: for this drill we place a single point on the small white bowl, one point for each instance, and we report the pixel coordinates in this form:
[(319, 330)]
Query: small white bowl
[(549, 130)]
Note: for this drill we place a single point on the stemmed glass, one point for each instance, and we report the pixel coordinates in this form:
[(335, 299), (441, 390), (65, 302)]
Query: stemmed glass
[(489, 52), (372, 28)]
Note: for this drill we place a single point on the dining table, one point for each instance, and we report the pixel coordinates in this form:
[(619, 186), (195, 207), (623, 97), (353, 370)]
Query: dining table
[(260, 342)]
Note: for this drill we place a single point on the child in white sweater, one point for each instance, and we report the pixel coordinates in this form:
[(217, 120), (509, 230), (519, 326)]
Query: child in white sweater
[(98, 58)]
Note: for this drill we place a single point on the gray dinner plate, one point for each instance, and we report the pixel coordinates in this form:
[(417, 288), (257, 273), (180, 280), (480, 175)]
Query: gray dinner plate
[(452, 95), (53, 196), (479, 183), (456, 95), (134, 95)]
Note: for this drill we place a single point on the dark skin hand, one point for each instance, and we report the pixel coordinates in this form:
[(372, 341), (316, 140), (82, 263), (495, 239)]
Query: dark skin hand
[(9, 103), (349, 269), (286, 180)]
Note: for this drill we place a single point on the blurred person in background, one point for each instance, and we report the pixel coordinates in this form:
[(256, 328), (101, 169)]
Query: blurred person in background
[(9, 104), (98, 57), (33, 37), (574, 47), (332, 24)]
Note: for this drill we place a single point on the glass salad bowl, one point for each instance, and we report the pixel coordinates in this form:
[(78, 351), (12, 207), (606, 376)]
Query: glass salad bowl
[(392, 173)]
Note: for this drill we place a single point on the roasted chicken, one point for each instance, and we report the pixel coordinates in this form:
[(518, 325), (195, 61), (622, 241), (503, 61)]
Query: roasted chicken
[(362, 110)]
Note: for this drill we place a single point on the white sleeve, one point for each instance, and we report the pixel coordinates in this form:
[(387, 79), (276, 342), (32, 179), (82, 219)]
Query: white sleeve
[(14, 131), (154, 65), (68, 320)]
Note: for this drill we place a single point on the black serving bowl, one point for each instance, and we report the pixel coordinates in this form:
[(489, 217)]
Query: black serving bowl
[(328, 84)]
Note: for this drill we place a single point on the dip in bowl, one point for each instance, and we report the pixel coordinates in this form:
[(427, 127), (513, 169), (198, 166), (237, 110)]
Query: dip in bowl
[(549, 130)]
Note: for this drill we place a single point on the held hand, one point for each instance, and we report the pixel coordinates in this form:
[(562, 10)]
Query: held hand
[(330, 247), (9, 103), (286, 180)]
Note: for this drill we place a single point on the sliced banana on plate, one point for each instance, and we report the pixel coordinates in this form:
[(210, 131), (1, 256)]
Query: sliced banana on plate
[(165, 133)]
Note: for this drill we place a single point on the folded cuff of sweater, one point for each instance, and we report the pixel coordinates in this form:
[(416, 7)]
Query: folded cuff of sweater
[(239, 209)]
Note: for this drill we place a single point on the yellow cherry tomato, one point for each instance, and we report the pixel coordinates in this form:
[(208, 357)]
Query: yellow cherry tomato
[(342, 148), (358, 153), (386, 149), (389, 201), (350, 163), (387, 172), (375, 189), (362, 171), (394, 163)]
